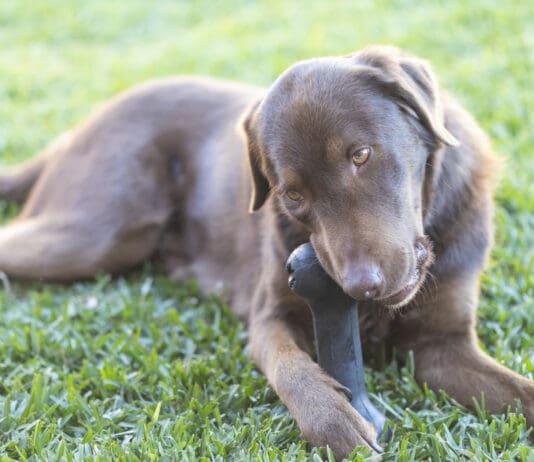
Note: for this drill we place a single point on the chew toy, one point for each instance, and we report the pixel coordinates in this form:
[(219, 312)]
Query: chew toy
[(337, 332)]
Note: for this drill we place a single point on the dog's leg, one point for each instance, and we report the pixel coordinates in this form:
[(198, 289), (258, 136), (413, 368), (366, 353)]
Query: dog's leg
[(457, 365), (280, 341), (448, 357), (67, 248)]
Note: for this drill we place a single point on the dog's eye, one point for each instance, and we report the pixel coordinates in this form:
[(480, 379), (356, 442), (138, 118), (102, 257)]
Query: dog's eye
[(360, 156), (294, 195)]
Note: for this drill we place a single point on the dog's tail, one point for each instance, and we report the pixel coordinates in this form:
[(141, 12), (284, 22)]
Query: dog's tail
[(17, 181)]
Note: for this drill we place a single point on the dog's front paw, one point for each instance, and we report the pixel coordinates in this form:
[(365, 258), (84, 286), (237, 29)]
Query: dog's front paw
[(332, 421), (323, 412)]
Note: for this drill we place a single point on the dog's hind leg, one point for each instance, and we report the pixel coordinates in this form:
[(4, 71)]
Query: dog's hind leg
[(67, 248)]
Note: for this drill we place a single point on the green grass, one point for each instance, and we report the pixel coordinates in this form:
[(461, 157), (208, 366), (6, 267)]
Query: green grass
[(140, 368)]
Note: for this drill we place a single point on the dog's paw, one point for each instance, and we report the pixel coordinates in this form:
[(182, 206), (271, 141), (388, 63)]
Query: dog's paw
[(331, 421), (324, 414)]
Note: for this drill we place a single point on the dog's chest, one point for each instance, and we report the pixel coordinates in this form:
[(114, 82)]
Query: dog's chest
[(375, 327)]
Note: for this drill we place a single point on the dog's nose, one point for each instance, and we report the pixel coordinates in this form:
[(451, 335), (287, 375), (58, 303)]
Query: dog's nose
[(363, 281)]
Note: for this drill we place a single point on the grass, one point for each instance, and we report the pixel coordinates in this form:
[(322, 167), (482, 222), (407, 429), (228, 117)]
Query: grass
[(141, 368)]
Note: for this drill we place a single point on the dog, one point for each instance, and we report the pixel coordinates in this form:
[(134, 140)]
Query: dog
[(363, 155)]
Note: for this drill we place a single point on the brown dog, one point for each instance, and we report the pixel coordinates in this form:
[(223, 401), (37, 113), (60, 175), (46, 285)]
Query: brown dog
[(363, 155)]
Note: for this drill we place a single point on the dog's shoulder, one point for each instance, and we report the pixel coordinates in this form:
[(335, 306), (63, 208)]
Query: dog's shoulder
[(461, 213)]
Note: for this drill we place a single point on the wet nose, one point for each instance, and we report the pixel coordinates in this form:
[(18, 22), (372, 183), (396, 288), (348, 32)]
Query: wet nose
[(363, 281)]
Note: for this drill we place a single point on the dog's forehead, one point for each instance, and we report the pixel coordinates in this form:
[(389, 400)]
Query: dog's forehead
[(325, 102)]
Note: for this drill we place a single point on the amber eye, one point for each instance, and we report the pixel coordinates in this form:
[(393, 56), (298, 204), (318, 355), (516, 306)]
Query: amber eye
[(360, 156), (294, 195)]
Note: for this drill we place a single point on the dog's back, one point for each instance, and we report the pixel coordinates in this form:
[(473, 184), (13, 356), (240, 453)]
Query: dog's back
[(100, 197)]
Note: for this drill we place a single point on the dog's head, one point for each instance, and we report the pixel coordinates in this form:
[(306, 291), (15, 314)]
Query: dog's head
[(350, 147)]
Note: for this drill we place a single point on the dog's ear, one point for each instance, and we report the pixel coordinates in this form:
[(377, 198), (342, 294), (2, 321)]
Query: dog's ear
[(260, 184), (412, 84)]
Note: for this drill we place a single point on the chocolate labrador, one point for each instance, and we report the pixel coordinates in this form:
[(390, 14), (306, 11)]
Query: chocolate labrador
[(363, 155)]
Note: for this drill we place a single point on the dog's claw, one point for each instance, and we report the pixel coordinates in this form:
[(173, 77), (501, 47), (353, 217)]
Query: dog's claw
[(346, 391), (378, 449)]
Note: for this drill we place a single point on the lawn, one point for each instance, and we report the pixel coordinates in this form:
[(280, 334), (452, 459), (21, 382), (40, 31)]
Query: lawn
[(141, 368)]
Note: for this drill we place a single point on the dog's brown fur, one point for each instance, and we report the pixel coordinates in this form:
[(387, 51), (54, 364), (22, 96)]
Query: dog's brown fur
[(163, 170)]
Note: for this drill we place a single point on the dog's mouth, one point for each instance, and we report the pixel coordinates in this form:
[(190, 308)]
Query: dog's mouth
[(408, 292)]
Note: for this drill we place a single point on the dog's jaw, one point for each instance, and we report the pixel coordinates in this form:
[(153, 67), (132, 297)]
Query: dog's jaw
[(405, 295)]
